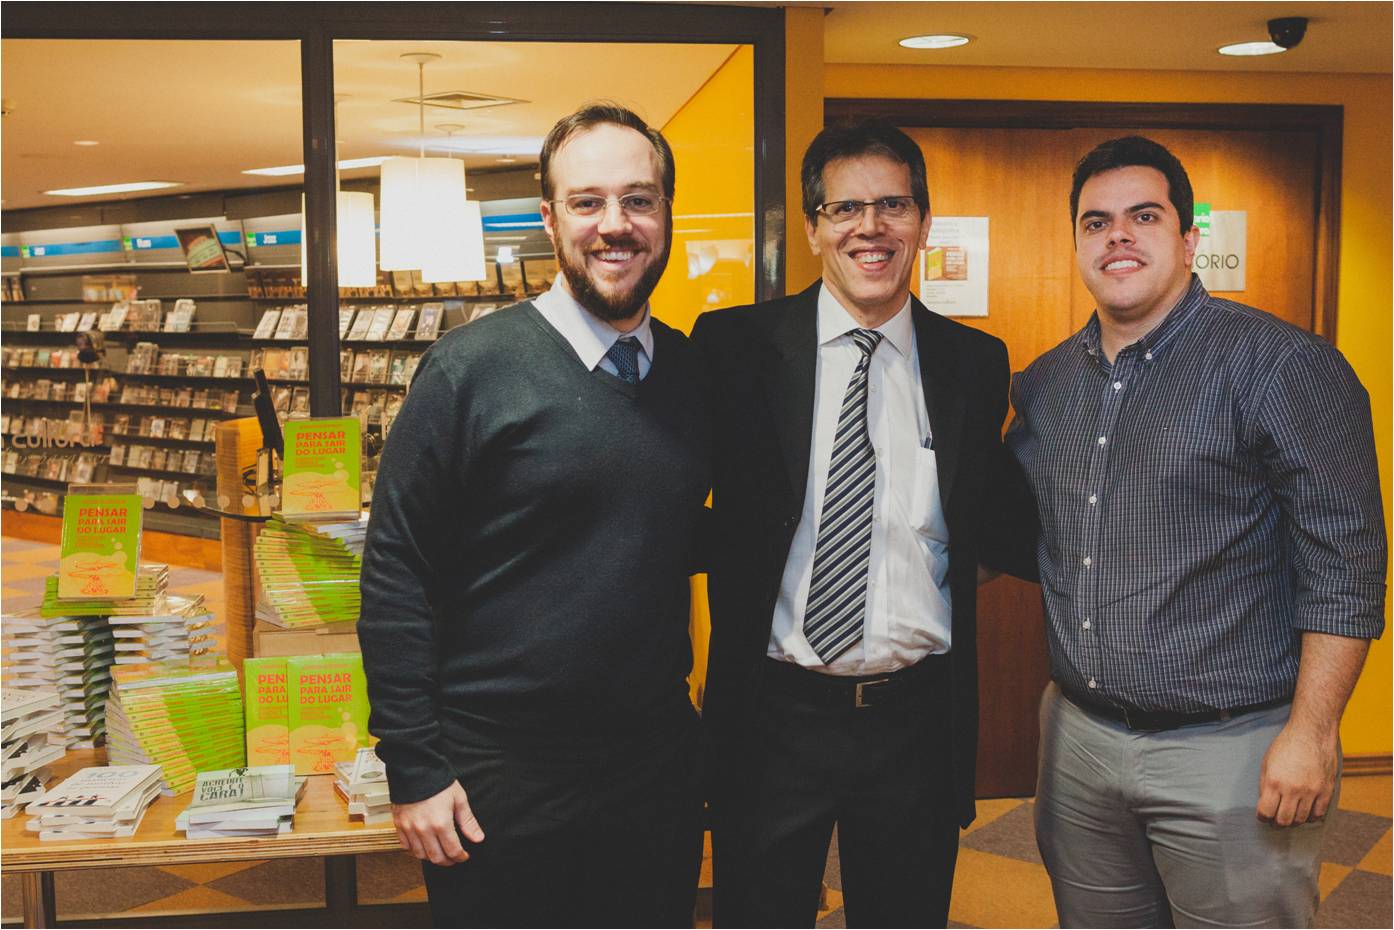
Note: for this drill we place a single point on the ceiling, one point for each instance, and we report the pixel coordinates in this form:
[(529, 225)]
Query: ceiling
[(1172, 36), (202, 112)]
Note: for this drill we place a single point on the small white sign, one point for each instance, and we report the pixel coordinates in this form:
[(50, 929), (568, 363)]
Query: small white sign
[(1221, 257), (953, 268)]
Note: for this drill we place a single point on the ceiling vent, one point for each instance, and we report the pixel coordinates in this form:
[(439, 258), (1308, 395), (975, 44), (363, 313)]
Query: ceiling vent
[(460, 100)]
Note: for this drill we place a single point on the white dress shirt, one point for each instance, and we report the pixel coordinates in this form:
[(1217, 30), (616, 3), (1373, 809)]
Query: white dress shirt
[(589, 335), (907, 603)]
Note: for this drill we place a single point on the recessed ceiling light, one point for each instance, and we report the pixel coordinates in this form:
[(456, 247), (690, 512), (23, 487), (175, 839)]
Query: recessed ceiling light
[(1245, 49), (280, 170), (940, 40), (85, 142), (114, 188), (506, 160)]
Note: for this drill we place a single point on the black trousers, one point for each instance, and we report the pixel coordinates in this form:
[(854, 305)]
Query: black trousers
[(881, 774), (585, 833)]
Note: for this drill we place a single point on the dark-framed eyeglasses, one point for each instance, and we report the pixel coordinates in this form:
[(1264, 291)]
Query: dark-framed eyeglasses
[(590, 206), (846, 212)]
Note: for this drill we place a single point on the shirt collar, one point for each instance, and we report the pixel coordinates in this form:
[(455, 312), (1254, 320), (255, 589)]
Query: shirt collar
[(589, 335), (1159, 336), (835, 321)]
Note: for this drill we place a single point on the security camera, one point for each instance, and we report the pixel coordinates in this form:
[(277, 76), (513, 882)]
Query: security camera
[(1287, 31)]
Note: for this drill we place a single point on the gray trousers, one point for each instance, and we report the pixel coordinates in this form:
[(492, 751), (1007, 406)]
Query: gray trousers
[(1158, 829)]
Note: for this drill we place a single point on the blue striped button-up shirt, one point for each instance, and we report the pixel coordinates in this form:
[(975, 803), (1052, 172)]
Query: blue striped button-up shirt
[(1204, 499)]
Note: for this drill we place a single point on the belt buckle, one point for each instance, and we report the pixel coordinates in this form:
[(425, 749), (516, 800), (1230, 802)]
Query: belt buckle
[(861, 700)]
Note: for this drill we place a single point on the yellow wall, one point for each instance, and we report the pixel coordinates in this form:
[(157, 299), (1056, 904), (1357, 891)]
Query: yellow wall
[(713, 139), (713, 259), (1364, 308)]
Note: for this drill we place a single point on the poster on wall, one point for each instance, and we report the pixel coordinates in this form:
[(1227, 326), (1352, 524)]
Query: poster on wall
[(953, 266), (1221, 253)]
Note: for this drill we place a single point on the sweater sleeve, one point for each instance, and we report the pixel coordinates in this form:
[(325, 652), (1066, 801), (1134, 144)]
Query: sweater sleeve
[(418, 476)]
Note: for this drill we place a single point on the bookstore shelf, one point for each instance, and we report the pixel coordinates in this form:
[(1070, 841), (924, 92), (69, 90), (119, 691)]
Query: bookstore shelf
[(159, 360)]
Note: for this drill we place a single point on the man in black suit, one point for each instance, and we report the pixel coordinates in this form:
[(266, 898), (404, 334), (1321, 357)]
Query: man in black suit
[(859, 479)]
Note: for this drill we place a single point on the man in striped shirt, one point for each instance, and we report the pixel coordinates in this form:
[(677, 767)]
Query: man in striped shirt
[(1212, 560)]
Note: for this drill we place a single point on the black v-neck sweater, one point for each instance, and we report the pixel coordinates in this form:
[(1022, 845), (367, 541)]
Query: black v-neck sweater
[(532, 530)]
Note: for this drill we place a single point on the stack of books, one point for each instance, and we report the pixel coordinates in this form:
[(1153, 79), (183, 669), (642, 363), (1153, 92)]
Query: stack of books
[(98, 802), (305, 578), (151, 581), (32, 731), (362, 784), (255, 801), (350, 533), (179, 628), (186, 719), (72, 655)]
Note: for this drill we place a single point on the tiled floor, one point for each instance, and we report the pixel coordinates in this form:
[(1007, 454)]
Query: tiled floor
[(1000, 881)]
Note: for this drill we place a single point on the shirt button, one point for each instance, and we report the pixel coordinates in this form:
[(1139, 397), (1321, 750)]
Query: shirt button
[(1102, 440), (1093, 498), (1148, 356), (1093, 683), (1088, 561), (1117, 385), (1086, 624)]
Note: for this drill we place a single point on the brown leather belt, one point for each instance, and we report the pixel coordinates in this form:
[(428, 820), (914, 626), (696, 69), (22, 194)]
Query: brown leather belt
[(856, 691)]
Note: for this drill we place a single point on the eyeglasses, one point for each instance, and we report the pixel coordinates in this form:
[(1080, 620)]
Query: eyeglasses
[(847, 212), (592, 205)]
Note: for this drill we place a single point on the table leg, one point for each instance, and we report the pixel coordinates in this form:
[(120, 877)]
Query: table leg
[(36, 889), (340, 884)]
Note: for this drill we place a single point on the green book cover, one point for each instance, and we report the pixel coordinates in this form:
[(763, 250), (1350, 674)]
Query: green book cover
[(268, 734), (186, 718), (320, 477), (100, 546), (328, 710)]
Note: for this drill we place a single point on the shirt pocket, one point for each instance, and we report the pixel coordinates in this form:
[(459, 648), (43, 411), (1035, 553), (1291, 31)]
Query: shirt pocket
[(926, 513)]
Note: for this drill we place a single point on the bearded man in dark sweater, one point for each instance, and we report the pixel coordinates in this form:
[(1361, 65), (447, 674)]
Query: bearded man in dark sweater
[(525, 578)]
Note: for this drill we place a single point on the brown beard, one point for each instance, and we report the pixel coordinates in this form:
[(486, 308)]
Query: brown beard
[(616, 307)]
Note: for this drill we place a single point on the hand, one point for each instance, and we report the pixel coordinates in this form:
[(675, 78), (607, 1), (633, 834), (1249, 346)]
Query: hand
[(427, 828), (1297, 778)]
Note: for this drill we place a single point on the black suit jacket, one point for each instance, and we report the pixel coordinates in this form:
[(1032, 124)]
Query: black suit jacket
[(762, 361)]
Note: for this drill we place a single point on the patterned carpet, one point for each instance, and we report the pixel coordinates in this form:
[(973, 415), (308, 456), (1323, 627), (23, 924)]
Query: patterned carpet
[(1000, 881)]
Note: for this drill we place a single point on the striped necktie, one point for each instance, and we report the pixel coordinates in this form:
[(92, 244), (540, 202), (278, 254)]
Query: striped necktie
[(836, 607), (624, 355)]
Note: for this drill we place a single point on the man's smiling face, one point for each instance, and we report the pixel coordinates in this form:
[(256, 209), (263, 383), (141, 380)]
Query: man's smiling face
[(611, 262), (1132, 254), (867, 263)]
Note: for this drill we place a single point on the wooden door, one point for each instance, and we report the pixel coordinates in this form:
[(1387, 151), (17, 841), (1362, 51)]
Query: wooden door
[(1020, 179)]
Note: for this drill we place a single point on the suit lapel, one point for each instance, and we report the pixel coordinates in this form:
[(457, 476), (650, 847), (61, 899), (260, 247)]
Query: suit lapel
[(942, 398), (789, 376)]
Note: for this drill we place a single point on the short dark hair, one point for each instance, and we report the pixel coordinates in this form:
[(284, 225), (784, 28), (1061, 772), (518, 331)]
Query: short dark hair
[(1131, 152), (597, 114), (849, 140)]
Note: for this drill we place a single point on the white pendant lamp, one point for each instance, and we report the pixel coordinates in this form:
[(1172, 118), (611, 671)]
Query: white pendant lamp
[(426, 223), (357, 240), (457, 253), (356, 237)]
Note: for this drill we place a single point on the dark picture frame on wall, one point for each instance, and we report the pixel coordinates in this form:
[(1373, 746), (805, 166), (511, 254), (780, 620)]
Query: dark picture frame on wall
[(203, 250)]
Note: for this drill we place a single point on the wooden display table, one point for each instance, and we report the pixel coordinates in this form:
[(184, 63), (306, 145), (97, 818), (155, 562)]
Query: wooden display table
[(322, 828)]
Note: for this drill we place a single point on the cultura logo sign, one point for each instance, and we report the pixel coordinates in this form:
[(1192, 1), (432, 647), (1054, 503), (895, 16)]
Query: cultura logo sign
[(41, 435)]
